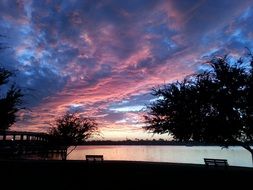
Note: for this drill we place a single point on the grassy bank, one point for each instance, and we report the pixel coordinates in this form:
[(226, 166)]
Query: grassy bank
[(117, 175)]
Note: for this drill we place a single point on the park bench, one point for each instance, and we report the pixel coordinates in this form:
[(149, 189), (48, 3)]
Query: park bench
[(94, 158), (216, 162)]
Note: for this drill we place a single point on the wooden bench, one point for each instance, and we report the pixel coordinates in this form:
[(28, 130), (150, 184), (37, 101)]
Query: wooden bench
[(215, 162), (94, 158)]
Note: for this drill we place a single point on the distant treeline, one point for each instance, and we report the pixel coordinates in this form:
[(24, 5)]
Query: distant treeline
[(145, 142)]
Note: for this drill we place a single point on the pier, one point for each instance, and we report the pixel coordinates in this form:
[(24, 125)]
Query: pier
[(29, 145), (22, 136)]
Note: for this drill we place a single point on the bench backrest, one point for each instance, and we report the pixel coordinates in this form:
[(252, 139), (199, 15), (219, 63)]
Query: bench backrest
[(215, 162), (94, 157)]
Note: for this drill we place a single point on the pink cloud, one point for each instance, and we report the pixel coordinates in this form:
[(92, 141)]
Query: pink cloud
[(114, 52)]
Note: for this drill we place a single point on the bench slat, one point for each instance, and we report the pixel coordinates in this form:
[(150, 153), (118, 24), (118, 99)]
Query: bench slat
[(94, 157), (215, 162)]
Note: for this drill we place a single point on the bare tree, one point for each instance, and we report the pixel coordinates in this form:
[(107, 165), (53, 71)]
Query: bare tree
[(72, 130)]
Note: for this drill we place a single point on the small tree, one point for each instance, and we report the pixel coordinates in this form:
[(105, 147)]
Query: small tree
[(71, 130), (212, 107), (10, 103)]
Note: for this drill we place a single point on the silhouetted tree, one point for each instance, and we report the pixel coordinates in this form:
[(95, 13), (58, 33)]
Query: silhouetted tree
[(72, 130), (10, 103), (10, 100), (212, 107)]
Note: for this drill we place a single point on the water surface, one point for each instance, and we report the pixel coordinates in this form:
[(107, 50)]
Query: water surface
[(236, 156)]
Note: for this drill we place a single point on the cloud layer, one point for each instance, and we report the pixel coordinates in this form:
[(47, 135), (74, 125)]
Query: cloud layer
[(101, 58)]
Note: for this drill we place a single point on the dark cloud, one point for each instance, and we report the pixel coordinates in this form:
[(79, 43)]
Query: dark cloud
[(205, 16)]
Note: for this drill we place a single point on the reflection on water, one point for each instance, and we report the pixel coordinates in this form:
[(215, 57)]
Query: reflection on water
[(49, 156), (236, 156)]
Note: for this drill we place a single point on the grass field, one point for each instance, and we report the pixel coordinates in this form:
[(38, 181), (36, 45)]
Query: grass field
[(32, 174)]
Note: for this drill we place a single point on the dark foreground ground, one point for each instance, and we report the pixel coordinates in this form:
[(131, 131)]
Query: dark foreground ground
[(30, 174)]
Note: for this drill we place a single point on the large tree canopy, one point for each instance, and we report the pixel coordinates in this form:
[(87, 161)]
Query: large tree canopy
[(215, 106), (10, 102)]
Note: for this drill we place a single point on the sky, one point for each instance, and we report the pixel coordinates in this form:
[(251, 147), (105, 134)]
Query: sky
[(102, 58)]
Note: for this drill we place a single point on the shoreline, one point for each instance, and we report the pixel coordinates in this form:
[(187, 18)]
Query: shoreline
[(167, 165), (147, 143)]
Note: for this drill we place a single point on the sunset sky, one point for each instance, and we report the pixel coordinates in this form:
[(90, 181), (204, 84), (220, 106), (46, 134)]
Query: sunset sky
[(102, 58)]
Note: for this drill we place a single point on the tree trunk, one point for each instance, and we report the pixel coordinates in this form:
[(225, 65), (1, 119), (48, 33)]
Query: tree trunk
[(251, 156), (64, 153)]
